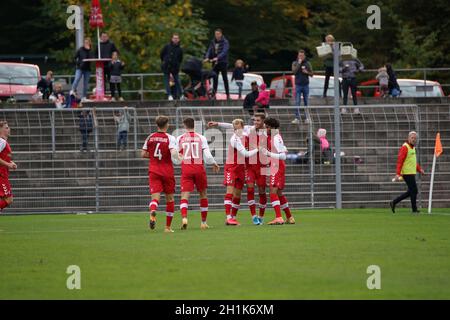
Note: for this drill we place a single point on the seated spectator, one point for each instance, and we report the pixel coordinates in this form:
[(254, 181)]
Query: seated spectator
[(58, 96), (393, 86), (250, 99), (263, 98), (45, 85), (322, 153)]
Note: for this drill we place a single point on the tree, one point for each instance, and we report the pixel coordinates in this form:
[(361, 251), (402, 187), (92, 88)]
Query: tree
[(139, 28)]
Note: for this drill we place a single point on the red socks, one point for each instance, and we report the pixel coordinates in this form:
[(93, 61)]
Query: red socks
[(153, 206), (285, 206), (170, 209), (227, 202), (251, 200), (276, 205), (235, 206), (204, 209), (262, 204), (184, 208)]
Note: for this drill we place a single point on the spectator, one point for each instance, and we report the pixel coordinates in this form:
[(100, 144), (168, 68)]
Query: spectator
[(45, 85), (171, 57), (263, 98), (58, 96), (321, 148), (107, 48), (123, 121), (393, 86), (348, 69), (86, 126), (302, 70), (238, 75), (383, 81), (218, 54), (116, 68), (250, 99), (83, 68), (328, 64)]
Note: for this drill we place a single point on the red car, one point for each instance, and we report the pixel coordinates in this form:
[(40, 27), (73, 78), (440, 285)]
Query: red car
[(18, 80)]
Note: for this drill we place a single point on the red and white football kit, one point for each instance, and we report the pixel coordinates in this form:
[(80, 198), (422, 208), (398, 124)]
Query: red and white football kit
[(5, 187)]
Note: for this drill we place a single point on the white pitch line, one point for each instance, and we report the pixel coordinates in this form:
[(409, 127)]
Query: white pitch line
[(61, 231)]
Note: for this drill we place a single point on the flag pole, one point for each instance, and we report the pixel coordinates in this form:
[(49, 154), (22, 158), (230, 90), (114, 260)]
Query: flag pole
[(98, 42), (430, 198)]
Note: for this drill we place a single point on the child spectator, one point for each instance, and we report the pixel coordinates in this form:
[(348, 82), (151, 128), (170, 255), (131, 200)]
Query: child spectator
[(263, 98), (238, 75), (58, 96), (383, 81), (116, 68), (123, 121)]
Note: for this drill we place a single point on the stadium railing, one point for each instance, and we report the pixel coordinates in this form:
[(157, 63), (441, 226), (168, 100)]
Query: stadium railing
[(54, 176)]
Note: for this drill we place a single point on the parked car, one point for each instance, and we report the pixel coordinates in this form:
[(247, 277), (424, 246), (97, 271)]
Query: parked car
[(411, 88), (18, 80), (234, 90), (284, 87)]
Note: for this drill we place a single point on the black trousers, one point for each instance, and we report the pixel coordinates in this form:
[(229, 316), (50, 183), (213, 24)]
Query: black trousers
[(410, 181), (352, 84), (113, 87), (329, 71), (221, 68)]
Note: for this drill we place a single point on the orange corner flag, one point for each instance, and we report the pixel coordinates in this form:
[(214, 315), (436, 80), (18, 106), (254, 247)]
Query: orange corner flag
[(438, 147)]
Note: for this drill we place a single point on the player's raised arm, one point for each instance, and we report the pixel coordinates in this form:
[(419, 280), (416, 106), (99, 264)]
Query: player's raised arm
[(221, 125)]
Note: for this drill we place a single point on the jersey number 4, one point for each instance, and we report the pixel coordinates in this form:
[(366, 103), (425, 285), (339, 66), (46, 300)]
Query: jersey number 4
[(158, 153)]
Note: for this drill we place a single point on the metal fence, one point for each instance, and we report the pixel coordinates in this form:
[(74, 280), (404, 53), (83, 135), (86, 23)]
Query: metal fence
[(138, 85), (54, 176)]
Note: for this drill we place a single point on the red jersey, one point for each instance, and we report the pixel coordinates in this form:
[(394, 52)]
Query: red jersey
[(192, 145), (235, 159), (276, 145), (5, 155), (159, 146), (254, 140)]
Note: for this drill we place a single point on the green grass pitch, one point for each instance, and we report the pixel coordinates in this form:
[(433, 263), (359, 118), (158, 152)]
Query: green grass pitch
[(324, 256)]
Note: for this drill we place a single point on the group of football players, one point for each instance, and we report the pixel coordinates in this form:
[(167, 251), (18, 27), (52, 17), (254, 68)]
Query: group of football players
[(256, 156)]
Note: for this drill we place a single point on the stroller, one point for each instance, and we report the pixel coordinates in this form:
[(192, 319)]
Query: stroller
[(199, 85)]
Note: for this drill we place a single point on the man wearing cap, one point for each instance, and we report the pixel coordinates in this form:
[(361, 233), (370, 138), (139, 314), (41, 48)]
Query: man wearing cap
[(407, 168)]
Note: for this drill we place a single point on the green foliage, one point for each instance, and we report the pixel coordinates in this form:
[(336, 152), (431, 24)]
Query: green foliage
[(139, 28)]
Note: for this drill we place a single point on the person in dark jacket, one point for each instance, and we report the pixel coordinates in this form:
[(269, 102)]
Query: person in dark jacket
[(218, 54), (302, 70), (250, 99), (393, 86), (238, 74), (45, 85), (107, 48), (349, 68), (171, 58), (83, 68), (116, 68), (86, 126)]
